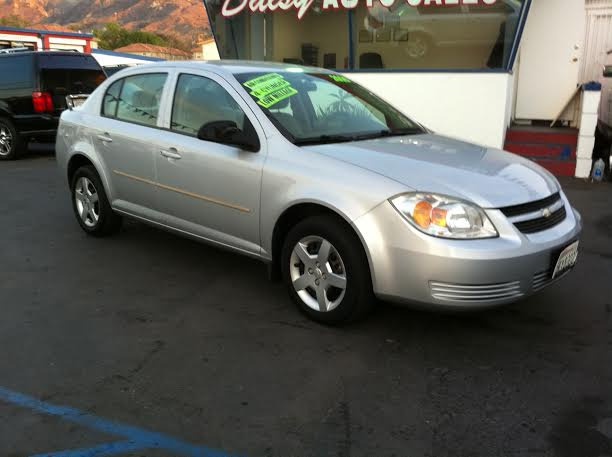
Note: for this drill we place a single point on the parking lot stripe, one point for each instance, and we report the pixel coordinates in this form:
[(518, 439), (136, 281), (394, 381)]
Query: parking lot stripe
[(145, 439), (102, 450)]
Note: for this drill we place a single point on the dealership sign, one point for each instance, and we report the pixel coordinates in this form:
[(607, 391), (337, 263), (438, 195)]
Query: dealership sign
[(233, 7)]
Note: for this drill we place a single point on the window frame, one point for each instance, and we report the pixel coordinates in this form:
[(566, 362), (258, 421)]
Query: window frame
[(175, 92), (507, 68), (241, 101), (162, 99)]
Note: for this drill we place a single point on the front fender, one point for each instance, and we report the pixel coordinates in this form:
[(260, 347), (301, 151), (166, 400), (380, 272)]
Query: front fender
[(294, 176)]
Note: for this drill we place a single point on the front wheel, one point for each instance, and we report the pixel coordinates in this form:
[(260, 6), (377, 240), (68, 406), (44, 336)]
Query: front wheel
[(90, 204), (326, 271)]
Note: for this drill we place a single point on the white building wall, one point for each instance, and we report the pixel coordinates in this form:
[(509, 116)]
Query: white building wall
[(470, 106), (107, 60)]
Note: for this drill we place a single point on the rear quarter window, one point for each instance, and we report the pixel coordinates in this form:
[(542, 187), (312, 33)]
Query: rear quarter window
[(16, 72), (63, 61)]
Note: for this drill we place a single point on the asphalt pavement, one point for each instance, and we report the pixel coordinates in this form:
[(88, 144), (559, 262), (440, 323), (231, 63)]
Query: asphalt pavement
[(146, 344)]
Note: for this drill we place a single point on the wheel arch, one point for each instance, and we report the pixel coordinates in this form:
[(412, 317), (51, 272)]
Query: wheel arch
[(80, 159), (5, 111), (298, 212)]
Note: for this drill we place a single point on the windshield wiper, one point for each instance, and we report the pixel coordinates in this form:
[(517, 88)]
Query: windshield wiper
[(387, 132), (325, 139), (402, 132)]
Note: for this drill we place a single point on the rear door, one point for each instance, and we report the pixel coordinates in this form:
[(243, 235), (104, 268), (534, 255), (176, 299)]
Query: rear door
[(66, 74), (124, 136)]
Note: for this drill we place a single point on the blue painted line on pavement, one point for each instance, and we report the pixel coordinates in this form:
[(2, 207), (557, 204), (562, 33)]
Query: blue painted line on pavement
[(102, 450), (145, 439)]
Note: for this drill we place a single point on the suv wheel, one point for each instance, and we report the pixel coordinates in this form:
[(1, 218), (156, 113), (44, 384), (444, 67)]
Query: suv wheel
[(90, 204), (9, 140), (326, 271)]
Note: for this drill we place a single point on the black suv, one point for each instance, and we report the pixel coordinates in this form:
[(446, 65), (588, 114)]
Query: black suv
[(33, 90)]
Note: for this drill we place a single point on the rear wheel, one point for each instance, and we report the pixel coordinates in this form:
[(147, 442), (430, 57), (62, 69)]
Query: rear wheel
[(326, 271), (90, 204), (10, 142)]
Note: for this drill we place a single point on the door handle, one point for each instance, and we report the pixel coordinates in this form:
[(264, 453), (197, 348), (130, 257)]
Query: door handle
[(171, 154), (105, 138)]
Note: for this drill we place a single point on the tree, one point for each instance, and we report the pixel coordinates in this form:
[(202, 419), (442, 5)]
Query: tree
[(13, 21), (113, 36)]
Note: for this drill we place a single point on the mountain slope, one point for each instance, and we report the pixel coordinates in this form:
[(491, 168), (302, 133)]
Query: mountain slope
[(183, 19)]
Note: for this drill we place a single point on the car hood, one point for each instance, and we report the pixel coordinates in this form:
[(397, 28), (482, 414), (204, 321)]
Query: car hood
[(491, 178)]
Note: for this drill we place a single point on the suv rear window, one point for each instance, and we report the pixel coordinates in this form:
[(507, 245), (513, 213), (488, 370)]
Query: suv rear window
[(70, 81)]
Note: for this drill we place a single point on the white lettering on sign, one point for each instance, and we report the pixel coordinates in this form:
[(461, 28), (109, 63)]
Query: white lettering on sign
[(232, 7)]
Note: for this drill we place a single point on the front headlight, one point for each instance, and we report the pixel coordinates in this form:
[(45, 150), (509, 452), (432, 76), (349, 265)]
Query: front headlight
[(444, 217)]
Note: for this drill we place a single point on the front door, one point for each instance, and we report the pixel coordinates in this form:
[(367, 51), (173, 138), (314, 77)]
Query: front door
[(205, 188)]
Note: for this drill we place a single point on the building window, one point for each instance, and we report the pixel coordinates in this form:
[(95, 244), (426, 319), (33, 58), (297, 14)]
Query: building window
[(400, 37)]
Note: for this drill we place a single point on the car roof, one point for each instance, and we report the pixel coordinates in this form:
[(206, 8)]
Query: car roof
[(233, 67)]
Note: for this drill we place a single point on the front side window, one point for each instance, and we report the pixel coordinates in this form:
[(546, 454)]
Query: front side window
[(310, 108), (199, 101), (138, 100)]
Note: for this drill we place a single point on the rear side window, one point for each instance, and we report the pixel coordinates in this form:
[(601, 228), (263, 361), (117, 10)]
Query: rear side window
[(135, 99), (16, 72), (111, 99)]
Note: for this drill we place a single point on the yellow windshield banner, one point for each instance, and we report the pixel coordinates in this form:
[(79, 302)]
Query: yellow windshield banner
[(265, 79), (273, 98), (340, 79), (270, 89), (264, 89)]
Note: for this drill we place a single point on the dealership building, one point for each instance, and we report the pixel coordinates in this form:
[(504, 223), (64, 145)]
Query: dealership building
[(495, 72), (46, 38)]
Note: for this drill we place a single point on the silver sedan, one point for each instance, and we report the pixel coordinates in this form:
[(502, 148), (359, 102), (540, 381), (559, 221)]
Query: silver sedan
[(342, 195)]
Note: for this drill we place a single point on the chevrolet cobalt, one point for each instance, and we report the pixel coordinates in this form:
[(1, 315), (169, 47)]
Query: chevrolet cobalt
[(340, 193)]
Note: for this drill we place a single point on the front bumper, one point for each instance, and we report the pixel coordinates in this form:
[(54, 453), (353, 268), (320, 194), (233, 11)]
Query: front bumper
[(409, 266)]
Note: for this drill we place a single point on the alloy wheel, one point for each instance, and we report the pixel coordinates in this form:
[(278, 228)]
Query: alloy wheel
[(6, 140), (318, 274), (87, 202)]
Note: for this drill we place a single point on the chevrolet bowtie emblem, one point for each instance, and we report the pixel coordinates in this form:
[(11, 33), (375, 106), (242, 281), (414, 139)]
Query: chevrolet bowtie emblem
[(546, 213)]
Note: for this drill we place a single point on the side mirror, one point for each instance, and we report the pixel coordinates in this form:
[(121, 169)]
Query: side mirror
[(227, 132)]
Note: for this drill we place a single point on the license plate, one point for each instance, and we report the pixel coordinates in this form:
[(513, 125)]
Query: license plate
[(78, 102), (567, 260)]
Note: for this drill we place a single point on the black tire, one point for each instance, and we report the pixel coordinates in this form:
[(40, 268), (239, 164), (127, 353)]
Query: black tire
[(108, 222), (15, 140), (358, 296)]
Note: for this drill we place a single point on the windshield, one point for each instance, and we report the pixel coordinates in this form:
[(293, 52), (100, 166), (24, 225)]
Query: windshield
[(314, 108)]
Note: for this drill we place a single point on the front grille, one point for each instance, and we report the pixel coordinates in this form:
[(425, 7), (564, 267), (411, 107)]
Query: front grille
[(475, 293), (542, 223), (526, 208), (541, 280), (544, 279), (529, 217)]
